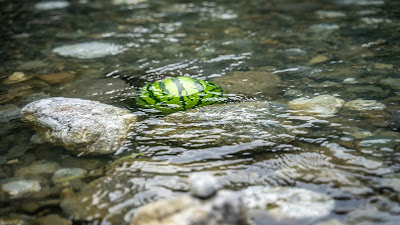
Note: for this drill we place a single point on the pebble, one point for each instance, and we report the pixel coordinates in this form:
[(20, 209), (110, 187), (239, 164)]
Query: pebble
[(50, 5), (329, 222), (394, 121), (53, 219), (9, 112), (330, 14), (67, 174), (318, 59), (394, 83), (203, 185), (324, 27), (17, 77), (18, 150), (30, 65), (226, 208), (89, 50), (323, 105), (288, 203), (362, 105), (383, 66), (17, 188), (37, 168), (16, 219), (128, 2), (57, 78), (249, 82), (294, 52), (350, 80), (357, 133)]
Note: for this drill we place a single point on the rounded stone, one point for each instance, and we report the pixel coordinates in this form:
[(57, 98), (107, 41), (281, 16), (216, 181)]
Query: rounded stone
[(203, 185), (288, 203), (362, 105), (50, 5), (18, 188), (81, 126), (323, 105), (67, 174), (89, 50)]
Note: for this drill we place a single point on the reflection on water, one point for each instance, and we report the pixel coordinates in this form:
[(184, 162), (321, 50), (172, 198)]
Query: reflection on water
[(345, 145)]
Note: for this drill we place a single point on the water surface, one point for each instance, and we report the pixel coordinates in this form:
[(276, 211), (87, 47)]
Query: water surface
[(344, 48)]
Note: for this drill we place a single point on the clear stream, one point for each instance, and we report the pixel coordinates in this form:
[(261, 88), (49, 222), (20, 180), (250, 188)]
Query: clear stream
[(349, 49)]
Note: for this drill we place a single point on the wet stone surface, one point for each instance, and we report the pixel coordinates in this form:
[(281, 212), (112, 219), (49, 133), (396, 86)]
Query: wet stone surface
[(80, 126)]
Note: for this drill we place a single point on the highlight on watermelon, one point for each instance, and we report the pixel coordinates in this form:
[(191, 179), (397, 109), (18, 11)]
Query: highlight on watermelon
[(178, 94)]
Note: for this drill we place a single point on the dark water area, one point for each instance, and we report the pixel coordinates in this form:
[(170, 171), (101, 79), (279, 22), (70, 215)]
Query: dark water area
[(344, 51)]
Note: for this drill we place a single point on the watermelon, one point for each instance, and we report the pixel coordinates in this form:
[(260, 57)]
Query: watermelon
[(179, 93)]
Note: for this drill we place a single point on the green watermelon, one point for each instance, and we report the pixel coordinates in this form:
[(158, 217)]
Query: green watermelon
[(179, 93)]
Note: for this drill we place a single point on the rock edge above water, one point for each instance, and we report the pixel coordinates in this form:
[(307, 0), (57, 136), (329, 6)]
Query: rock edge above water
[(81, 126)]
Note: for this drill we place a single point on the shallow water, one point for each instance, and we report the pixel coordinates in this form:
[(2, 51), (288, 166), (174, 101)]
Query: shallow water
[(344, 48)]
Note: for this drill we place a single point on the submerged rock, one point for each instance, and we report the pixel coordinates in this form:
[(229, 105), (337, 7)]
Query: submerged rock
[(288, 203), (394, 121), (20, 188), (394, 83), (226, 208), (128, 2), (225, 124), (250, 82), (127, 186), (17, 77), (37, 168), (9, 112), (81, 126), (49, 5), (52, 219), (68, 174), (102, 90), (57, 78), (323, 105), (89, 50), (362, 105)]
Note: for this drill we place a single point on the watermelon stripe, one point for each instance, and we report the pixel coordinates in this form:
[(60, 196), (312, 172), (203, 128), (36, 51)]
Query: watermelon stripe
[(152, 95), (182, 100), (200, 102), (198, 85), (164, 89), (179, 93), (143, 100)]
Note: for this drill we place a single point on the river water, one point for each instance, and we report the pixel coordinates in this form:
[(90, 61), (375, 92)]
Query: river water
[(347, 49)]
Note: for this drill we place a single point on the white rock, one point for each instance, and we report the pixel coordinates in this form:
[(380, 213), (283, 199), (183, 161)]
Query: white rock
[(203, 185), (288, 203), (68, 174), (81, 126), (51, 5), (350, 80), (330, 14), (323, 105), (17, 188), (127, 2), (89, 50)]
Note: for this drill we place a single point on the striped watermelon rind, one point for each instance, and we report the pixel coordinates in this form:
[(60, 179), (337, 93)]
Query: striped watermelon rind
[(179, 93)]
